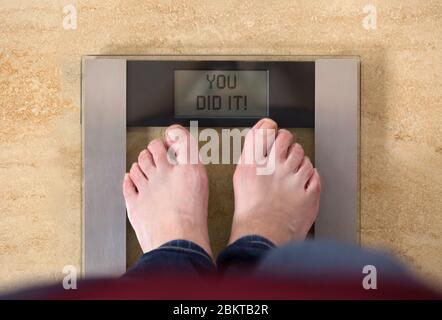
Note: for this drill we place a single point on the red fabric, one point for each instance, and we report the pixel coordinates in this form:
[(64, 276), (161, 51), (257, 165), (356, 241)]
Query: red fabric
[(181, 287)]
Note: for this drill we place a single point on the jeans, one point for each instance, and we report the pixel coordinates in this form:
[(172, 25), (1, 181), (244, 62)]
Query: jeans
[(251, 268), (187, 257), (256, 255)]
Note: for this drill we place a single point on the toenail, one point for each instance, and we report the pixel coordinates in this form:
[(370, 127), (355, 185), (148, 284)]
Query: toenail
[(153, 142), (261, 122), (173, 127), (284, 131), (176, 133), (268, 122), (170, 133)]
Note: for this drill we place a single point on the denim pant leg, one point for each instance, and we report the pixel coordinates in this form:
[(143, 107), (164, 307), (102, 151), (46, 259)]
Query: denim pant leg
[(176, 256), (316, 259), (243, 255)]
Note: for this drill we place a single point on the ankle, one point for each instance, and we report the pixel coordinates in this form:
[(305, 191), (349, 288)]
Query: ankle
[(274, 230)]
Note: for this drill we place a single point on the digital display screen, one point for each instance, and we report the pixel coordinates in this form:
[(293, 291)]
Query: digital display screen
[(221, 93)]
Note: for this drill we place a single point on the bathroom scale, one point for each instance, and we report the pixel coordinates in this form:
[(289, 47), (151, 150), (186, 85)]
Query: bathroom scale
[(129, 100)]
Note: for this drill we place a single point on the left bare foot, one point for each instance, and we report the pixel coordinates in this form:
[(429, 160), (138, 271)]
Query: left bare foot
[(167, 201)]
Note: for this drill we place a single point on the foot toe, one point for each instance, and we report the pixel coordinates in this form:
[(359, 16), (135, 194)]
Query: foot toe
[(145, 161), (259, 141), (182, 144), (314, 184), (295, 157), (159, 153), (305, 171), (129, 190), (137, 176), (284, 140)]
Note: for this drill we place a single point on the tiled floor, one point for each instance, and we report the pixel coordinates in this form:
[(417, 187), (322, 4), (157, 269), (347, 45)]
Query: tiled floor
[(40, 131)]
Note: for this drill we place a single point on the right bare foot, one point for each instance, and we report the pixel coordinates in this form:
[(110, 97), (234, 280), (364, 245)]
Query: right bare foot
[(281, 206)]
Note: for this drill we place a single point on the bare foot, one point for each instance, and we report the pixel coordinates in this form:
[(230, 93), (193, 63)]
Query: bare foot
[(167, 201), (281, 206)]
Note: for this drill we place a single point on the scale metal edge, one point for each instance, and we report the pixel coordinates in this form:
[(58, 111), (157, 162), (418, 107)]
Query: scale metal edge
[(337, 122), (103, 137)]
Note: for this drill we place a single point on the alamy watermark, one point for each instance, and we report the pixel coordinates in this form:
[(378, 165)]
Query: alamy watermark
[(70, 279), (224, 147), (370, 20), (370, 281), (70, 17)]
